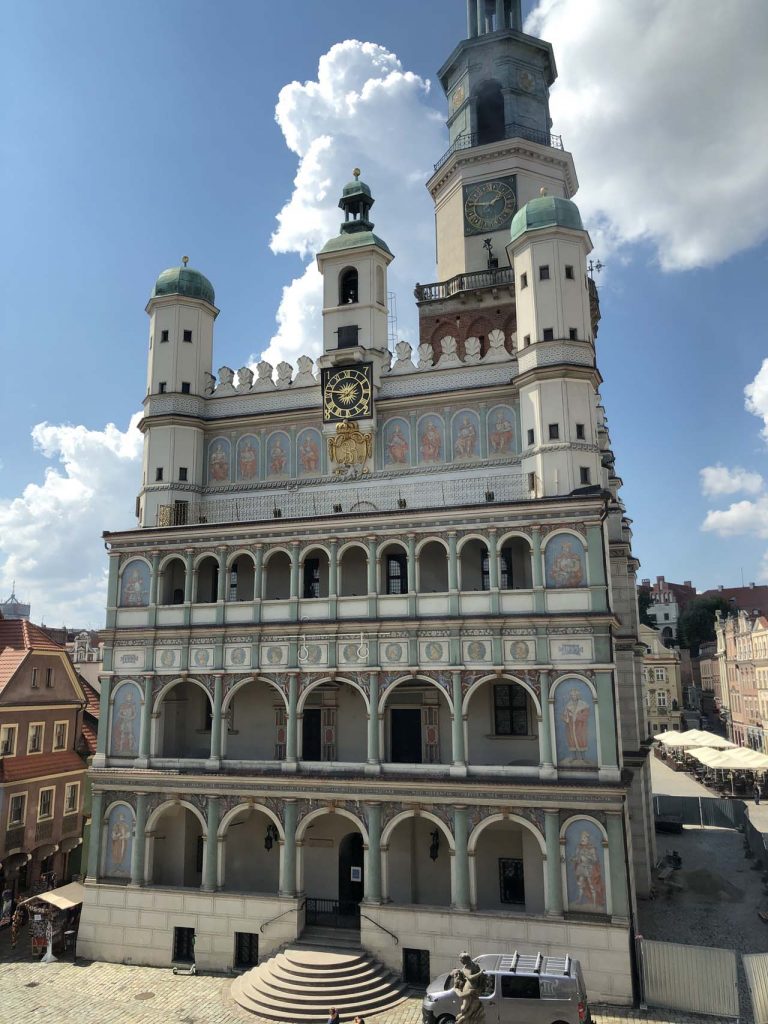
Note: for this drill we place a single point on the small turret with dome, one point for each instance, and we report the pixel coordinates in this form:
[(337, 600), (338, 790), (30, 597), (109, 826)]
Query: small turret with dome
[(545, 211), (184, 280), (357, 229)]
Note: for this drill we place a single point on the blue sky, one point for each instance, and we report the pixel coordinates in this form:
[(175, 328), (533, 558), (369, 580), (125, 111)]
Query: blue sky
[(133, 134)]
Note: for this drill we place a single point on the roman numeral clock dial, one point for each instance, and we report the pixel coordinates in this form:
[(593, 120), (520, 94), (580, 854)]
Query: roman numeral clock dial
[(489, 205), (347, 393)]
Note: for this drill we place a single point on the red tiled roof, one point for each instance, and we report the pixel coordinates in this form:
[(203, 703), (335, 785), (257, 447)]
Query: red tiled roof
[(34, 766), (746, 599), (89, 735), (18, 638), (91, 697)]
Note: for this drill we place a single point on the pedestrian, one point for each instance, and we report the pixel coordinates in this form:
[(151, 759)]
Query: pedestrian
[(359, 1020), (333, 1016), (756, 793)]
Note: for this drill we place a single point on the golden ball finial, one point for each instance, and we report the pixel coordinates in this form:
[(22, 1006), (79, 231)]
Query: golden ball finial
[(543, 190), (356, 173), (185, 260)]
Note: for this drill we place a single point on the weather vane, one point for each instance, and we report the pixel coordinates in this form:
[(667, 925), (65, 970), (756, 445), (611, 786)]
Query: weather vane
[(595, 267)]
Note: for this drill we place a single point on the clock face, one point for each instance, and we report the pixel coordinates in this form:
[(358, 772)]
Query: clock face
[(489, 205), (347, 393)]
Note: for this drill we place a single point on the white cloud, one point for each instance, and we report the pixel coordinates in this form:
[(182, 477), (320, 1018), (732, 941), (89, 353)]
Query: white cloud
[(660, 103), (719, 479), (756, 396), (741, 517), (363, 110), (50, 534)]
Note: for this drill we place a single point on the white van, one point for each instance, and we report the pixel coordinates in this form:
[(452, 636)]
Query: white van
[(522, 989)]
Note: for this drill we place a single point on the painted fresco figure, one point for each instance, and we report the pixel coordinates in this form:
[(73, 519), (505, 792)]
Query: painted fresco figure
[(278, 458), (119, 839), (134, 595), (218, 463), (398, 446), (124, 729), (576, 718), (466, 439), (431, 442), (309, 455), (587, 871), (501, 435), (247, 460), (566, 567)]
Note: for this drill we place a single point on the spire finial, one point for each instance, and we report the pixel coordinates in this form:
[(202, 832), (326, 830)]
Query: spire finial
[(356, 172), (185, 260)]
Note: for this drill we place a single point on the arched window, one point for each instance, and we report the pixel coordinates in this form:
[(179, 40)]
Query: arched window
[(490, 113), (348, 286)]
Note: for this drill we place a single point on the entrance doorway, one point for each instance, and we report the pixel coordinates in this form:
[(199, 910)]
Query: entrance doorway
[(406, 735), (350, 873), (311, 745)]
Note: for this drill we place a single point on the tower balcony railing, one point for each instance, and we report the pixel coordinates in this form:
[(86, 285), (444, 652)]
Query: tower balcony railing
[(511, 131), (464, 283)]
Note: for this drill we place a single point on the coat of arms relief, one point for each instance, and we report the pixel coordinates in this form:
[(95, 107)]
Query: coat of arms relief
[(349, 451)]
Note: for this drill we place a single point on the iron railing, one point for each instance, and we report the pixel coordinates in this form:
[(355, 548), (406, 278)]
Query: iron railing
[(392, 934), (464, 283), (468, 140), (333, 913), (290, 910), (44, 830)]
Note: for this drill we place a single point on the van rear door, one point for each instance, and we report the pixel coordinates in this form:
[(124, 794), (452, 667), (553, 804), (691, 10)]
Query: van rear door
[(520, 999)]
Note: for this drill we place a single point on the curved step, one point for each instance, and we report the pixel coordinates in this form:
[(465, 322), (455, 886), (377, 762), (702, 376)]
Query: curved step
[(371, 981)]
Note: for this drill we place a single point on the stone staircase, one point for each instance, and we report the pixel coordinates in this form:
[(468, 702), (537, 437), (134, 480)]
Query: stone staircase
[(300, 983)]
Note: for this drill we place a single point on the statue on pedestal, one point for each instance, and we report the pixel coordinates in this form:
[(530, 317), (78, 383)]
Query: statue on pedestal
[(469, 983)]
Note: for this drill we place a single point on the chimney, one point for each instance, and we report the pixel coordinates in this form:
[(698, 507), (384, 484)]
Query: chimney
[(645, 583), (687, 583)]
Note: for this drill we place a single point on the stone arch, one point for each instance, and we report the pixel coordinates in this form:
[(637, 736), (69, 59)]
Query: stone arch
[(167, 687), (407, 678), (349, 291), (306, 821), (239, 553), (558, 532), (157, 813), (532, 855), (518, 819), (277, 549), (170, 557), (249, 806), (431, 539), (506, 677), (331, 679), (574, 675), (118, 865), (411, 813), (203, 554), (463, 541), (256, 678), (480, 327)]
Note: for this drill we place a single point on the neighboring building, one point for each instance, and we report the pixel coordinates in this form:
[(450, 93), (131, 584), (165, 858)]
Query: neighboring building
[(662, 682), (752, 599), (668, 602), (85, 652), (760, 659), (13, 608), (363, 647), (41, 774), (738, 677), (709, 678)]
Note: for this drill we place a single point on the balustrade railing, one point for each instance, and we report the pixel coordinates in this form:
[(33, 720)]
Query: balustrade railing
[(511, 131), (464, 283)]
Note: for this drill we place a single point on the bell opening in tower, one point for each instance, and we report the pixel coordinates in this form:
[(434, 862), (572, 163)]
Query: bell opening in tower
[(348, 286), (490, 113)]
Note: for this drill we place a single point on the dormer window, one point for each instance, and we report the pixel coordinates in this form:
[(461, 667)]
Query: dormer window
[(348, 292)]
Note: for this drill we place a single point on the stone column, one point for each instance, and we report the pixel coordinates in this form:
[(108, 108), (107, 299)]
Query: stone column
[(295, 558), (493, 569), (373, 875), (538, 576), (605, 703), (211, 867), (113, 582), (596, 569), (291, 725), (145, 735), (103, 731), (614, 826), (190, 584), (481, 17), (453, 574), (372, 566), (222, 584), (374, 756), (411, 542), (499, 15), (333, 576), (461, 859), (153, 584), (218, 688), (139, 840), (258, 581), (547, 764), (554, 906), (457, 724), (471, 19), (94, 845), (287, 885)]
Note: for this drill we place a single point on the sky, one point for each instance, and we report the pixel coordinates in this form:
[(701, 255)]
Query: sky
[(132, 134)]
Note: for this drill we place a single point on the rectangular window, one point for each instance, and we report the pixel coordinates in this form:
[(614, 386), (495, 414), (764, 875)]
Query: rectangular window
[(585, 477), (510, 710), (511, 880), (312, 577), (544, 272), (34, 678), (17, 811), (72, 798), (348, 336), (49, 677), (520, 986), (180, 512), (579, 431), (159, 473), (8, 740), (163, 335), (523, 281), (185, 387), (554, 431), (161, 387), (485, 571), (187, 335), (526, 340), (549, 334), (60, 730), (573, 334), (532, 483), (397, 575), (246, 950), (661, 675), (45, 806), (35, 738), (661, 700), (531, 435), (568, 272), (506, 581), (184, 945), (183, 474)]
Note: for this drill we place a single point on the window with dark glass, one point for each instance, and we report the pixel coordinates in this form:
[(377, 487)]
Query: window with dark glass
[(506, 569), (526, 340), (312, 577), (523, 281), (187, 335), (184, 944), (554, 431), (163, 335), (585, 475), (544, 272), (348, 336), (183, 473), (45, 807), (568, 272), (531, 435), (185, 387), (520, 986), (549, 334), (397, 576), (573, 334), (580, 431), (49, 677), (161, 387), (159, 473), (510, 710), (485, 571), (17, 811), (511, 882)]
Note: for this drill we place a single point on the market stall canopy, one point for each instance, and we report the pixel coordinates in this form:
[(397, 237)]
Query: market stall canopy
[(64, 898), (693, 738), (731, 760), (711, 758)]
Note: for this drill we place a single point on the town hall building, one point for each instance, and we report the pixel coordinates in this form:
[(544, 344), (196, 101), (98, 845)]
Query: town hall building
[(371, 655)]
